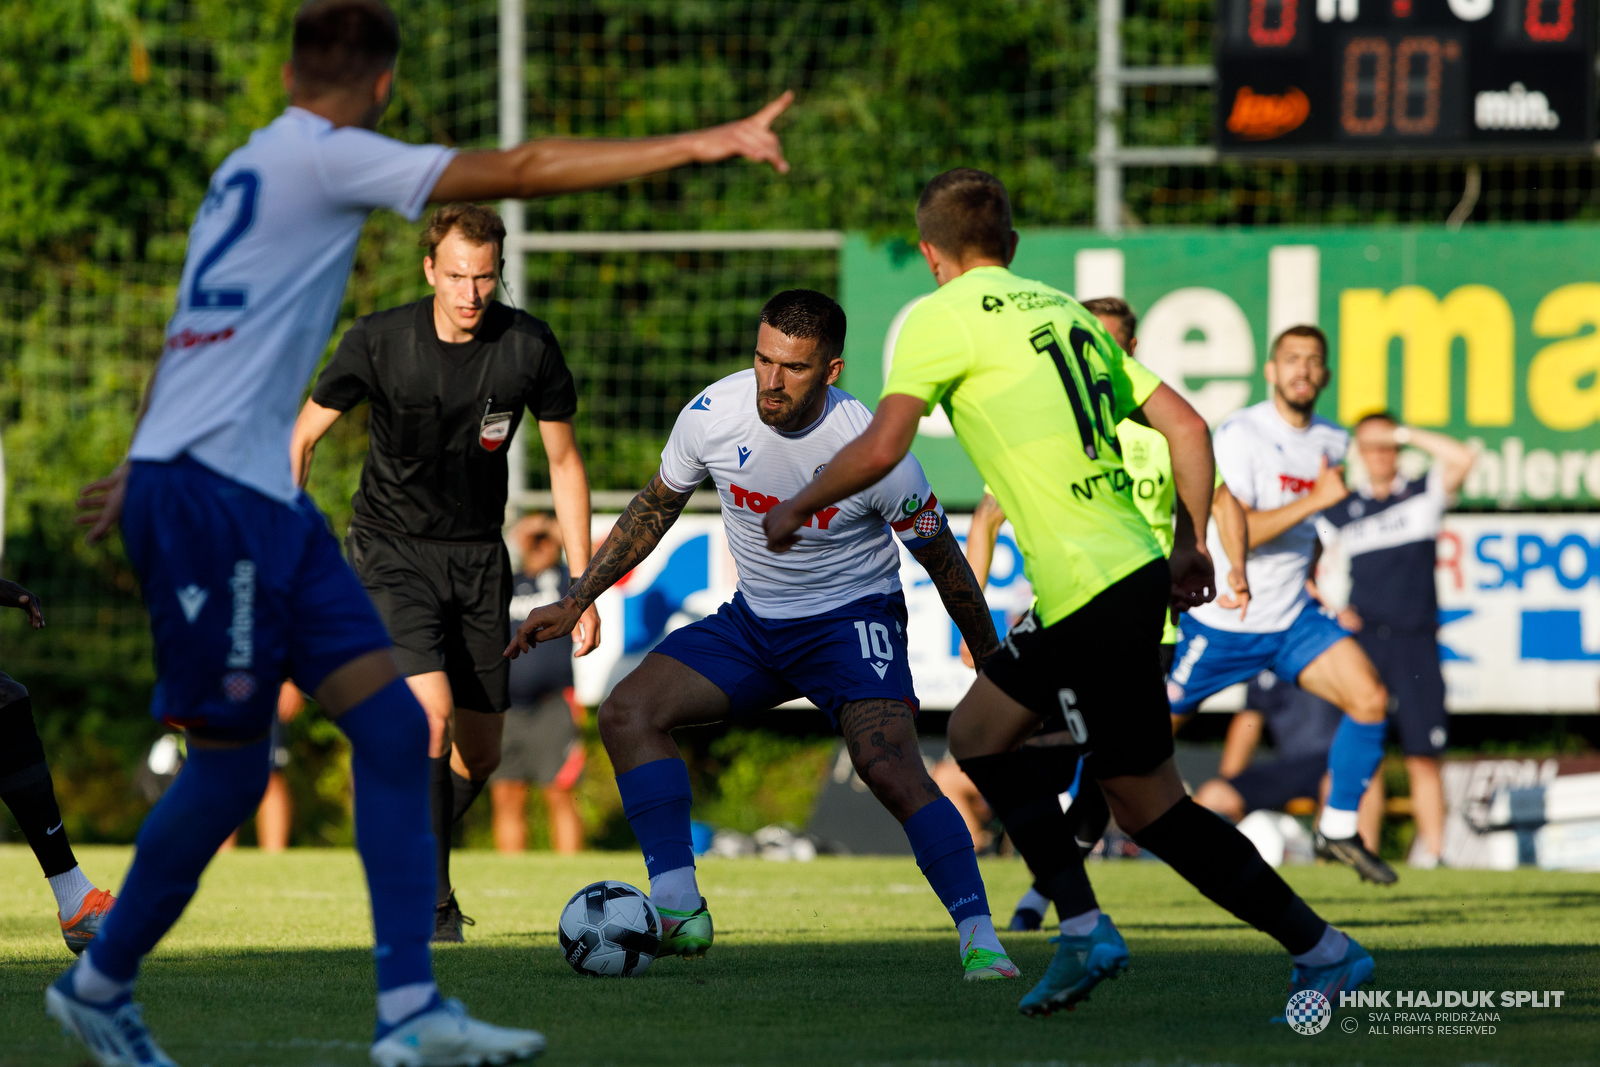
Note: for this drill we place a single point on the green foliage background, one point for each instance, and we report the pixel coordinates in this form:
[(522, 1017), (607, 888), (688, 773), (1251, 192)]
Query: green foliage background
[(113, 113)]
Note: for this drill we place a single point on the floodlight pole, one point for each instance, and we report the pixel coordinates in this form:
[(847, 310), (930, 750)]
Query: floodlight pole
[(513, 88)]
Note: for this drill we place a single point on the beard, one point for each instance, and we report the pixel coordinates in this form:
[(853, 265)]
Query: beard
[(795, 408), (1305, 407)]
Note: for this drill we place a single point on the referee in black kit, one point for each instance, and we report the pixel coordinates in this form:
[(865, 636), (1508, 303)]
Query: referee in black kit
[(448, 378)]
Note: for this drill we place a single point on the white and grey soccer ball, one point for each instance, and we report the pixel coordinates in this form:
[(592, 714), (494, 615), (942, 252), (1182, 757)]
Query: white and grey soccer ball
[(610, 928)]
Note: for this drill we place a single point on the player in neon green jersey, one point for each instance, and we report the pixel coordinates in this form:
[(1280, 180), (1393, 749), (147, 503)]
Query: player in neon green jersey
[(1035, 387)]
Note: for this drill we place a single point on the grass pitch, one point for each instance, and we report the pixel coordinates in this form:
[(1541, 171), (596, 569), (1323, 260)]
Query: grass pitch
[(841, 961)]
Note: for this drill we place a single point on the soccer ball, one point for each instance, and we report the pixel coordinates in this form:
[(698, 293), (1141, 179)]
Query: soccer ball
[(610, 928)]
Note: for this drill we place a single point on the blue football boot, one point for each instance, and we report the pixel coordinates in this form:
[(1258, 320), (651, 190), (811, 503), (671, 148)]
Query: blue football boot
[(1081, 963)]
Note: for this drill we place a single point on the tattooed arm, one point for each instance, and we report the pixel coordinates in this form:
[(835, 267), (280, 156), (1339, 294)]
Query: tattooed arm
[(636, 534), (962, 595)]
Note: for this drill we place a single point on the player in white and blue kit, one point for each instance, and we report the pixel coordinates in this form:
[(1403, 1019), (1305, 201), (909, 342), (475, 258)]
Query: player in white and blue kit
[(243, 579), (825, 620), (1283, 464)]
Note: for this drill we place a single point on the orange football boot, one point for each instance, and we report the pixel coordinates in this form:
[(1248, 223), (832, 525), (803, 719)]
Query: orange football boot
[(84, 925)]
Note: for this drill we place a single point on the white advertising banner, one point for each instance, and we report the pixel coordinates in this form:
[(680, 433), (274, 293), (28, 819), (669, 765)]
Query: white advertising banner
[(1519, 600)]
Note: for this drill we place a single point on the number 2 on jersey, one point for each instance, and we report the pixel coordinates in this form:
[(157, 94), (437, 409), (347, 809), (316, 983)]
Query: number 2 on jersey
[(1092, 419), (248, 182)]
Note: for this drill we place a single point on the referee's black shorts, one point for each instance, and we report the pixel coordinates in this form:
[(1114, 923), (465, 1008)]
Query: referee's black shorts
[(447, 606), (1097, 674)]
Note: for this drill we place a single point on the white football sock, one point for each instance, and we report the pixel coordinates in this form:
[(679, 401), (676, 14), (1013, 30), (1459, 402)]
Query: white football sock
[(675, 889), (1330, 948), (1034, 900), (70, 889), (397, 1004), (89, 984), (1081, 925), (977, 931), (1336, 824)]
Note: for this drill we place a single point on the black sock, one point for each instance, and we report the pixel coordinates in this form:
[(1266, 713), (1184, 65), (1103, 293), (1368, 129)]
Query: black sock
[(443, 801), (463, 792), (26, 788), (1022, 798), (1222, 863)]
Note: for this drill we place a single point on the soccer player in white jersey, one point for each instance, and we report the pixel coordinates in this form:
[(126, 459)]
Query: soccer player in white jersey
[(244, 582), (1283, 462), (826, 621)]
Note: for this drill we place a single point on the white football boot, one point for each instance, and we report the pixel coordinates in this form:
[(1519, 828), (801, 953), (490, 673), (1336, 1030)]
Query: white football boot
[(446, 1036), (114, 1034)]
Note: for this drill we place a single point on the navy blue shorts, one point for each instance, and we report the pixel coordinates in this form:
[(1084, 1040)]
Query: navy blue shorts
[(243, 591), (1408, 663), (857, 652), (1274, 784), (1208, 660)]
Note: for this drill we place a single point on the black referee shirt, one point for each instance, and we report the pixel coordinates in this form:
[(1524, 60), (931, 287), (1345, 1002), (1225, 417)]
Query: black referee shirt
[(443, 414)]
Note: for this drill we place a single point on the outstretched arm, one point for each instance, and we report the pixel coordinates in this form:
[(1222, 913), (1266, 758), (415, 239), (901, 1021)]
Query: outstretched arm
[(648, 516), (962, 594), (553, 165), (863, 462)]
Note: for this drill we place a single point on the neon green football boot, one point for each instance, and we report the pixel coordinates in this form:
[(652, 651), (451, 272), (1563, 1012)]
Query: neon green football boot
[(983, 965), (686, 933)]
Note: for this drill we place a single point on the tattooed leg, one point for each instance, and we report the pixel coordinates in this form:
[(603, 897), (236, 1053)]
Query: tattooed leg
[(882, 738)]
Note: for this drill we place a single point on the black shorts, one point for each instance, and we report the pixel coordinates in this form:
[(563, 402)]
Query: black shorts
[(447, 607), (1274, 784), (1097, 674), (1408, 663)]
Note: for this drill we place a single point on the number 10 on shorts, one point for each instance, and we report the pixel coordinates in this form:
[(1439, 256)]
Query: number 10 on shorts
[(874, 641), (1069, 711)]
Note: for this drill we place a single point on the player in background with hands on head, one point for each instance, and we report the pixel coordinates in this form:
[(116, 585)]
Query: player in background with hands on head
[(1035, 387), (449, 378), (1283, 463), (826, 620), (1389, 531), (26, 788), (243, 579)]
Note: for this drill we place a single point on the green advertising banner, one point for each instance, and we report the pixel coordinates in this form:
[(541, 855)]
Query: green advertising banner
[(1491, 334)]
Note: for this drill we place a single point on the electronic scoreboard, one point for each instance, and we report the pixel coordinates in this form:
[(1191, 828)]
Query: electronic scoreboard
[(1327, 78)]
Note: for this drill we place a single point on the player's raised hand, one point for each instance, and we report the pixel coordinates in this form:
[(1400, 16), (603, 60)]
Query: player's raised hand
[(1194, 579), (782, 525), (1329, 488), (547, 624), (750, 137), (13, 595), (101, 504)]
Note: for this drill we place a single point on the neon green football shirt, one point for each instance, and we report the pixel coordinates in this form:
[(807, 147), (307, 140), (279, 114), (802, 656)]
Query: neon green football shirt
[(1149, 462), (1035, 387)]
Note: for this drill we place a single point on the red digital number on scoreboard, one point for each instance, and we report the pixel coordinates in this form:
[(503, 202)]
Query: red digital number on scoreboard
[(1272, 22), (1549, 21)]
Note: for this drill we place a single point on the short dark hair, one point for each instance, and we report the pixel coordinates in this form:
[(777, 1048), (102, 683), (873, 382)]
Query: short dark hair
[(966, 210), (1114, 307), (338, 43), (1377, 416), (479, 224), (804, 313), (1301, 331)]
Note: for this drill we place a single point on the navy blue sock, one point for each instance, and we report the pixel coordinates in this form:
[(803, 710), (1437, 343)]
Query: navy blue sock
[(943, 847), (656, 799), (216, 791), (388, 735), (1357, 750)]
